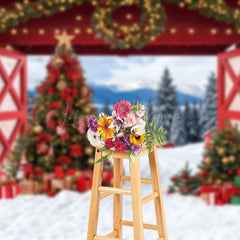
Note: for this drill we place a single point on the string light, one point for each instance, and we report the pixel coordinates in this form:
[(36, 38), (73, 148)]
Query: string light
[(128, 16), (228, 31), (173, 30), (41, 31), (14, 31), (191, 30), (89, 31), (25, 31), (213, 31), (77, 31), (78, 18)]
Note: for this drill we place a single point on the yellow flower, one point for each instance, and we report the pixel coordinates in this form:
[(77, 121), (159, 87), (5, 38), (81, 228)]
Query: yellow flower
[(137, 139), (104, 129)]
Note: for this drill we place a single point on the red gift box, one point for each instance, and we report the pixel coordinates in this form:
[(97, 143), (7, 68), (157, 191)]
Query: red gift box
[(3, 175), (6, 191), (58, 172), (211, 198), (84, 183), (70, 172), (238, 172)]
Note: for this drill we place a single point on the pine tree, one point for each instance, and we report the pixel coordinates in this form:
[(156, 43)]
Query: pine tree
[(106, 109), (150, 111), (56, 135), (195, 131), (178, 134), (185, 183), (166, 102), (208, 116), (187, 121)]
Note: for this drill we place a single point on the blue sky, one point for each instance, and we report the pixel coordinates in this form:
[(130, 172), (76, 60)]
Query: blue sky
[(131, 73)]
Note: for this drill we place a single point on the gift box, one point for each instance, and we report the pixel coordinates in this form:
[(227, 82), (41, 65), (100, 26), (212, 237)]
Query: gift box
[(39, 187), (57, 185), (58, 172), (205, 190), (211, 198), (84, 183), (48, 176), (3, 175), (6, 192), (237, 181), (235, 200), (27, 187)]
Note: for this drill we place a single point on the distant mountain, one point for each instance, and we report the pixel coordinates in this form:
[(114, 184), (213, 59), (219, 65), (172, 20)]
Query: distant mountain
[(101, 94)]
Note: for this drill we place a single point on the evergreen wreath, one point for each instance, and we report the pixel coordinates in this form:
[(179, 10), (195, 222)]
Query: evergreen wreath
[(137, 34)]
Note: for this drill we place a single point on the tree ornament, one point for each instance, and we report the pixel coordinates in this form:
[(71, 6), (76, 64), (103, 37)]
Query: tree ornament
[(88, 151), (61, 85), (84, 91), (225, 160), (232, 159), (91, 161), (37, 129), (221, 151), (207, 160), (64, 39)]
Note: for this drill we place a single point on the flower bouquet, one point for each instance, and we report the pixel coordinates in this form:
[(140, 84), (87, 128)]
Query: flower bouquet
[(127, 130)]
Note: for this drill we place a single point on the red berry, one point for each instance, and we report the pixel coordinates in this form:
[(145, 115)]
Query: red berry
[(174, 179), (183, 176), (204, 173), (188, 181)]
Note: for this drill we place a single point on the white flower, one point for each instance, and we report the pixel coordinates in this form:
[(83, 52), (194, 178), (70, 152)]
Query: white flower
[(138, 129), (94, 138)]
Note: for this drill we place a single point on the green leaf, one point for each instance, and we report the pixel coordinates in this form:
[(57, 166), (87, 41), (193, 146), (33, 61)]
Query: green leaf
[(132, 156), (107, 157), (104, 148)]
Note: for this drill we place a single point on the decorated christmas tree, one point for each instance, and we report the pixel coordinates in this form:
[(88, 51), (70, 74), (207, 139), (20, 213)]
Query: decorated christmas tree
[(185, 183), (221, 156), (56, 134)]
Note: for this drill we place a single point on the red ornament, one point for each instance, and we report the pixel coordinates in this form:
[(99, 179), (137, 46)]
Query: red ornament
[(76, 151), (204, 173), (183, 176), (231, 138), (174, 179), (230, 172), (169, 192), (188, 181)]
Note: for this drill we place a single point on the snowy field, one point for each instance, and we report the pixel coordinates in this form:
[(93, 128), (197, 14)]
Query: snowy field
[(65, 217)]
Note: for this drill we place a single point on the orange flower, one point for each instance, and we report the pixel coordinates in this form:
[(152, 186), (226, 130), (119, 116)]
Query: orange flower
[(104, 129)]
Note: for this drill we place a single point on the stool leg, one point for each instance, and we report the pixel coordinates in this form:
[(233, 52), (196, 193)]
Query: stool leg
[(136, 199), (117, 198), (95, 198), (158, 202)]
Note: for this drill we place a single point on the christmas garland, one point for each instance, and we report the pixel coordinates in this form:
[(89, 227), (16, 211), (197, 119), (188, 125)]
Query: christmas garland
[(121, 36), (124, 36)]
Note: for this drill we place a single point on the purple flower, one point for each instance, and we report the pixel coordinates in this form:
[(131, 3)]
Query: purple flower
[(92, 124), (126, 148), (136, 148), (127, 140)]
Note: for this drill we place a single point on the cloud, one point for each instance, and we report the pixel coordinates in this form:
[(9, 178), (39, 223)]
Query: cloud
[(130, 73)]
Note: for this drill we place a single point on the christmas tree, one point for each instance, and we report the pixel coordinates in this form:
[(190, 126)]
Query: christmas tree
[(56, 134), (221, 156), (166, 102), (150, 111), (185, 183)]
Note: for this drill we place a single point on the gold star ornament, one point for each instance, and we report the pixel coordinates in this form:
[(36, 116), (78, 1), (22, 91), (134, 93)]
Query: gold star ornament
[(64, 39)]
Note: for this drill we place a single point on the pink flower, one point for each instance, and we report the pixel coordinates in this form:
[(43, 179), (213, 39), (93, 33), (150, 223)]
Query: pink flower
[(61, 130), (122, 108), (130, 120), (141, 122), (81, 126), (140, 113)]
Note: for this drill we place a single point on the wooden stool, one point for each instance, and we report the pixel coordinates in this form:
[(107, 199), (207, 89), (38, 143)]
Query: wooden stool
[(99, 192)]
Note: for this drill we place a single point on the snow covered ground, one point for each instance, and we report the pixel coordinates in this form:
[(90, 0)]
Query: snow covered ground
[(65, 217)]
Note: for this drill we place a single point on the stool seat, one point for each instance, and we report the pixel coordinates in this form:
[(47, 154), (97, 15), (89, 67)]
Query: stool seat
[(100, 192)]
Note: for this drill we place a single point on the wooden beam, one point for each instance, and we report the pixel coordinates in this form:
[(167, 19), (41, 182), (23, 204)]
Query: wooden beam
[(145, 225), (149, 198), (104, 195), (115, 190), (143, 180)]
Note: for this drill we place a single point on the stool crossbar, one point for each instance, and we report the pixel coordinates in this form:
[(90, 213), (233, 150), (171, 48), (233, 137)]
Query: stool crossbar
[(99, 192)]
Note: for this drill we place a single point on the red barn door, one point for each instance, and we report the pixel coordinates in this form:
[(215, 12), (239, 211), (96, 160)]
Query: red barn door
[(13, 98), (229, 88)]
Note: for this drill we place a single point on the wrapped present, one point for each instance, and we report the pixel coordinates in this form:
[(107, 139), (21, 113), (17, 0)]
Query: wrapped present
[(205, 190), (6, 191), (58, 172), (79, 173), (39, 187), (15, 188), (235, 200), (3, 175), (71, 172), (237, 181), (211, 198), (83, 183), (48, 176), (27, 187), (229, 184), (57, 185)]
